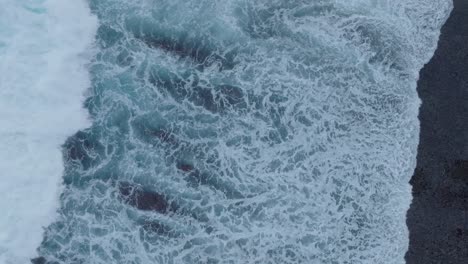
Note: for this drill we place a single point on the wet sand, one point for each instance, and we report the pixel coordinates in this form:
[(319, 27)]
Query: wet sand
[(438, 216)]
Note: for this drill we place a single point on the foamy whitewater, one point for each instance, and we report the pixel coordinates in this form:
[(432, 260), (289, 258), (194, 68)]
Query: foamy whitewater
[(43, 47), (231, 131)]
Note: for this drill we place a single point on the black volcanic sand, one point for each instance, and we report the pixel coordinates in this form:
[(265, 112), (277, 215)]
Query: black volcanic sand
[(438, 216)]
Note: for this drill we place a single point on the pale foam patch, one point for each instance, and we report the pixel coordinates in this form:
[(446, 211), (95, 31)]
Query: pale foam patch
[(43, 77)]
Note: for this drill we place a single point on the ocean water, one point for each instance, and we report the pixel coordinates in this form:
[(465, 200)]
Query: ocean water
[(44, 46), (226, 131)]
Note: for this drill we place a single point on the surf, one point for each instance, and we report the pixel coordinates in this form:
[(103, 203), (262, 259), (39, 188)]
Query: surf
[(44, 47), (240, 132)]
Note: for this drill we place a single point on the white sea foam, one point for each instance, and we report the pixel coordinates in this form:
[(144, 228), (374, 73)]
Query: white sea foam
[(42, 80)]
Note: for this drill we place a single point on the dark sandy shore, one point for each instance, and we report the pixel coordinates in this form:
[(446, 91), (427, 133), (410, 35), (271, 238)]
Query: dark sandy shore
[(438, 217)]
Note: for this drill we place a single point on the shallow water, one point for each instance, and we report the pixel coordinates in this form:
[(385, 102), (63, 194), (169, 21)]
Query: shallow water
[(240, 132)]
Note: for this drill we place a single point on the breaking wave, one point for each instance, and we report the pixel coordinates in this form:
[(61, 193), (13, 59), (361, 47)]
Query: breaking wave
[(43, 47)]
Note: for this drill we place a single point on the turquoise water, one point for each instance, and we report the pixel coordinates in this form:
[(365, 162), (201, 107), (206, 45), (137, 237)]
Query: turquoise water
[(246, 132)]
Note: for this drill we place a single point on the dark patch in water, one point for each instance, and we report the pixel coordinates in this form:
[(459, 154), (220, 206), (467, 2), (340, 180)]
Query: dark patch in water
[(185, 167), (39, 260), (145, 200)]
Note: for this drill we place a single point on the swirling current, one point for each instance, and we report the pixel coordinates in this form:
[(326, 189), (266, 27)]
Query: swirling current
[(236, 131)]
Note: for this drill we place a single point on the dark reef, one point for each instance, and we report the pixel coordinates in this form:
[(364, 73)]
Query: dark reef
[(438, 216)]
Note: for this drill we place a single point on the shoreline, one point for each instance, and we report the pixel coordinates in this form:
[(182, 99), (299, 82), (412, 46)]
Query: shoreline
[(438, 216)]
